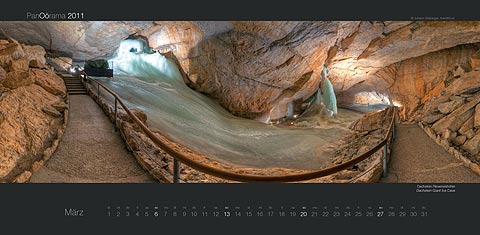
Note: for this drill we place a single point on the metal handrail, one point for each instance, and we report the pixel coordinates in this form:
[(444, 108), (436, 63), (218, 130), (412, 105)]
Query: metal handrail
[(247, 177)]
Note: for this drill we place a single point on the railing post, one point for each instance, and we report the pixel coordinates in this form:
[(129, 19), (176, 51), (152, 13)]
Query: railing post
[(115, 123), (384, 160), (176, 171), (393, 131)]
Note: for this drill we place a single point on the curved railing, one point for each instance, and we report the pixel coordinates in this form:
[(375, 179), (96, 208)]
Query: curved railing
[(248, 177), (389, 136)]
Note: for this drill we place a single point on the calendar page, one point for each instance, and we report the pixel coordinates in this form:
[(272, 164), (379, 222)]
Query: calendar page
[(244, 117)]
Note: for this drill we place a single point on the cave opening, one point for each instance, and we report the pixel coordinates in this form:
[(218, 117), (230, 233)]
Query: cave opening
[(370, 101)]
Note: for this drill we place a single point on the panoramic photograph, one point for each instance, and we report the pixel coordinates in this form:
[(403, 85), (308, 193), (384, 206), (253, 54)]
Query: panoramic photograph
[(239, 101)]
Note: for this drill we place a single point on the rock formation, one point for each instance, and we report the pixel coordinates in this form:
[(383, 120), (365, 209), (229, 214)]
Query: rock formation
[(277, 62), (32, 105), (452, 116), (81, 39), (429, 68)]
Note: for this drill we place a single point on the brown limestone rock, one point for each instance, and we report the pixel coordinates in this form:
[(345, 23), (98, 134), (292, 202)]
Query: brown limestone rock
[(63, 62), (467, 84), (26, 129), (140, 114), (470, 134), (473, 145), (3, 74), (448, 107), (477, 116), (475, 168), (35, 53), (457, 118), (17, 65), (49, 81), (51, 111), (17, 79), (24, 177), (2, 117), (10, 51), (431, 118), (468, 125), (449, 135), (475, 60), (452, 122), (459, 140), (373, 121), (37, 165), (36, 64), (418, 80), (60, 106)]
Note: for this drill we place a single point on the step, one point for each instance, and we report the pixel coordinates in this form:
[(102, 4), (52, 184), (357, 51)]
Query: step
[(74, 90), (77, 90), (74, 83), (75, 87), (77, 93)]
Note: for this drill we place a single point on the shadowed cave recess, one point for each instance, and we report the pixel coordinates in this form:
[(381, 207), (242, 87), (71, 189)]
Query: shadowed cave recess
[(279, 97)]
